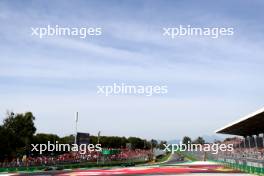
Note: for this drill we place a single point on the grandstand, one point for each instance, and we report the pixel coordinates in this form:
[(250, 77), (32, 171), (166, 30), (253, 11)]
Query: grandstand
[(248, 153)]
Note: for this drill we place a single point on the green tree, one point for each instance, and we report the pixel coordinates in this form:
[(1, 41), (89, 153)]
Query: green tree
[(22, 127), (7, 145), (136, 143), (154, 143), (199, 140), (68, 139), (42, 138), (18, 130), (186, 140), (161, 144)]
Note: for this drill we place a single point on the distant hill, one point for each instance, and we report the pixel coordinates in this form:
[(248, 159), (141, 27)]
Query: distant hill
[(174, 141), (207, 138), (212, 138)]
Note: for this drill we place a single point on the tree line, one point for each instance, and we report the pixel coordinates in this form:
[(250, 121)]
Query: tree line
[(18, 132), (188, 140)]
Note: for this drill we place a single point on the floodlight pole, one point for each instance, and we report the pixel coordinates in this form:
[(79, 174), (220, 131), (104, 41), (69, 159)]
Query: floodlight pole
[(98, 141), (76, 121)]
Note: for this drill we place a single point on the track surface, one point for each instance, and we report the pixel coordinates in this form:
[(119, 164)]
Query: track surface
[(174, 166)]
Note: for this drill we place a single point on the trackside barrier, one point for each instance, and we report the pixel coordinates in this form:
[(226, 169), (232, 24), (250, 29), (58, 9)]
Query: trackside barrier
[(73, 166), (243, 167)]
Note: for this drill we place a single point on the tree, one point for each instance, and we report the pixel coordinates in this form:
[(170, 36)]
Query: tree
[(68, 139), (42, 138), (186, 140), (21, 129), (199, 140), (154, 143), (7, 145), (161, 144), (136, 143)]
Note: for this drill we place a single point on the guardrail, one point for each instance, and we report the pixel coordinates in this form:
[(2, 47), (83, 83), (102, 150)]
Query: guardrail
[(73, 166), (245, 167)]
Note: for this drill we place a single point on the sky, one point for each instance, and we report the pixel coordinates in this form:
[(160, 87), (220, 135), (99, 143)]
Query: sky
[(211, 82)]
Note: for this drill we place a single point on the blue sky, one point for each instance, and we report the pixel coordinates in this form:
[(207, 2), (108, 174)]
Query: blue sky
[(211, 82)]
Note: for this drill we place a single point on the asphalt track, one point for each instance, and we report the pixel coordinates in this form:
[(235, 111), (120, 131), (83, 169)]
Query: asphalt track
[(174, 166)]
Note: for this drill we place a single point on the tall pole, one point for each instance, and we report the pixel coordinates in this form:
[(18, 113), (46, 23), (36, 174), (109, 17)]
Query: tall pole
[(98, 137), (263, 139), (98, 141), (249, 142), (76, 121), (256, 141), (245, 137)]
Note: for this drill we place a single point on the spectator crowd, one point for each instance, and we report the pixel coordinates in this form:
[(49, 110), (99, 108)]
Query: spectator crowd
[(76, 157)]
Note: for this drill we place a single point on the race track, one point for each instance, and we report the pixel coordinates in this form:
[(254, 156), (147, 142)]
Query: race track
[(174, 166)]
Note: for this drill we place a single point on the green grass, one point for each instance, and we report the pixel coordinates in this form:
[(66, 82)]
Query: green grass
[(163, 158), (188, 157)]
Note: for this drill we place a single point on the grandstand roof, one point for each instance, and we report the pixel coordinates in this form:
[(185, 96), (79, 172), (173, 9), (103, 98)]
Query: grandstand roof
[(251, 124)]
